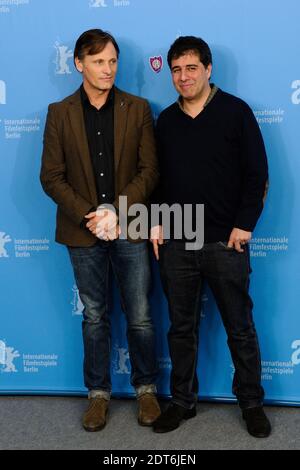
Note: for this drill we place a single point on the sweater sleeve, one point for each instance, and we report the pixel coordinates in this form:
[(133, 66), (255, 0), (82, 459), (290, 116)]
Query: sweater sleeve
[(157, 195), (254, 170)]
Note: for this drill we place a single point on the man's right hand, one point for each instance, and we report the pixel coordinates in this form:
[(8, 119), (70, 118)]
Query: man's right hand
[(156, 238), (103, 224)]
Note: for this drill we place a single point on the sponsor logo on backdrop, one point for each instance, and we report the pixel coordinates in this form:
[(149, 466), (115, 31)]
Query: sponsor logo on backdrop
[(5, 5), (63, 55), (269, 116), (296, 354), (76, 302), (156, 63), (3, 240), (2, 92), (284, 368), (17, 128), (262, 247), (7, 356), (271, 369), (120, 362), (108, 3), (295, 97), (32, 363), (23, 248)]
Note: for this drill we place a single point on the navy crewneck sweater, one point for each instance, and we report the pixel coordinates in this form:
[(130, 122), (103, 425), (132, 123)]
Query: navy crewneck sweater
[(217, 159)]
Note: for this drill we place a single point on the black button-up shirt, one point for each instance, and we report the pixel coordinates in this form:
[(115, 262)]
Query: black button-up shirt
[(99, 127)]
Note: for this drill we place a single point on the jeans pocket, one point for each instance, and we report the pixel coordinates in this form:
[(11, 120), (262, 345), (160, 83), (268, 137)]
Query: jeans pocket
[(165, 243)]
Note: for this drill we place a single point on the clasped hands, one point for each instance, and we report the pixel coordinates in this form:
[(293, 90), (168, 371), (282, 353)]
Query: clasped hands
[(103, 223)]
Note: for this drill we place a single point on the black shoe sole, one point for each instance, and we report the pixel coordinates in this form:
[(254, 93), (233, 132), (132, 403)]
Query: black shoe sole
[(188, 415), (259, 435)]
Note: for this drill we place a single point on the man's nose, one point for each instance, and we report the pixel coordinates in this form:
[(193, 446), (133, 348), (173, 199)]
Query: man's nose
[(107, 69), (183, 75)]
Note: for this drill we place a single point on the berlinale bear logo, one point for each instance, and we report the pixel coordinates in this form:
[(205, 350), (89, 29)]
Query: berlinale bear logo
[(78, 306), (63, 53), (3, 240), (97, 3), (120, 361), (7, 355)]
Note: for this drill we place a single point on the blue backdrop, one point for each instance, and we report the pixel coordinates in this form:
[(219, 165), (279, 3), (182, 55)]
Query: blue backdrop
[(255, 47)]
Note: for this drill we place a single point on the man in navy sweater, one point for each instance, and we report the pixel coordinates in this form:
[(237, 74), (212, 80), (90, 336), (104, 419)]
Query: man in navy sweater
[(211, 152)]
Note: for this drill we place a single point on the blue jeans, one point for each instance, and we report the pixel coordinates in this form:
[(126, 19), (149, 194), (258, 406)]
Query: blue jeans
[(130, 265), (227, 274)]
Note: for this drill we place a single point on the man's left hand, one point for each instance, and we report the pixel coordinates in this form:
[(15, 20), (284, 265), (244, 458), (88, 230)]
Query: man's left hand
[(238, 238)]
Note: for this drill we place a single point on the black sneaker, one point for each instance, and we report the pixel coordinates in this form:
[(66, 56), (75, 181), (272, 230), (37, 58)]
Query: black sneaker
[(172, 416), (257, 423)]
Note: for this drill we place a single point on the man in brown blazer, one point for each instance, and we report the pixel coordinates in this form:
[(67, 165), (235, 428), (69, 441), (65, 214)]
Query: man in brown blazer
[(98, 146)]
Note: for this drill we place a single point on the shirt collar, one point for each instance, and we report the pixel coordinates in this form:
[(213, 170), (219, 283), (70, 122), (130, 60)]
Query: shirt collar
[(85, 99), (213, 91)]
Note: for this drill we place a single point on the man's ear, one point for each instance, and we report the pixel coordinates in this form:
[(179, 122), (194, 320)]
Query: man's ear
[(78, 65), (209, 71)]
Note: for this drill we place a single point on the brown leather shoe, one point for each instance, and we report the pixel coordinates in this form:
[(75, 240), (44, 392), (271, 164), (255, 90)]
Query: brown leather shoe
[(94, 419), (149, 409)]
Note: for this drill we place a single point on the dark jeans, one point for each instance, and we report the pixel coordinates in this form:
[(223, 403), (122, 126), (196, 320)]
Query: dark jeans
[(227, 274), (130, 264)]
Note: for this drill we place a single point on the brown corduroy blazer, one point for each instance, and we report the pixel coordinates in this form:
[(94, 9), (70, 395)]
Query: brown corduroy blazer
[(67, 174)]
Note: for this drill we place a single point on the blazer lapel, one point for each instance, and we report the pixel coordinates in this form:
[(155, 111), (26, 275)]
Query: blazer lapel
[(120, 123), (78, 127)]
